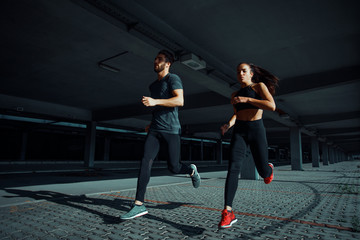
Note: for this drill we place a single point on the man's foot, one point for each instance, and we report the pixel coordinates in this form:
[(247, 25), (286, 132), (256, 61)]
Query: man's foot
[(227, 219), (136, 211), (196, 180), (269, 179)]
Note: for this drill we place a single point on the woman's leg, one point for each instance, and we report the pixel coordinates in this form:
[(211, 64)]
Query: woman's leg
[(238, 150), (259, 149)]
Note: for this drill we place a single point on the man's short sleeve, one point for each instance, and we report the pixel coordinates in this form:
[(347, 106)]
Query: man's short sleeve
[(175, 82)]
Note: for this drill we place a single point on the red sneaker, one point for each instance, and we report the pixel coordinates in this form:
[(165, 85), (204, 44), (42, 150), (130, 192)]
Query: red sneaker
[(269, 179), (227, 219)]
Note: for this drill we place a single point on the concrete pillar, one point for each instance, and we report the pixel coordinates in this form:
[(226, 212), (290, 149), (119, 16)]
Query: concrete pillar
[(24, 145), (219, 151), (107, 149), (277, 154), (190, 151), (89, 155), (295, 148), (331, 155), (325, 154), (315, 152), (315, 156), (215, 152), (248, 169), (341, 156), (336, 156)]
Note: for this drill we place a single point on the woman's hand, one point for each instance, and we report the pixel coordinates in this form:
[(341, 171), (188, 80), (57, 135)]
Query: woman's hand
[(224, 128), (239, 99), (147, 128)]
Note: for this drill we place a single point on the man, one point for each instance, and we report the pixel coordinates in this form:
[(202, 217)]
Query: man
[(166, 96)]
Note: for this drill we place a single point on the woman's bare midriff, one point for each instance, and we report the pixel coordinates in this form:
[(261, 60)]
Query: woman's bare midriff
[(249, 114)]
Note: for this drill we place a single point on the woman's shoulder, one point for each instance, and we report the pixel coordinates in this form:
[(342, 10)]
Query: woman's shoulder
[(259, 86)]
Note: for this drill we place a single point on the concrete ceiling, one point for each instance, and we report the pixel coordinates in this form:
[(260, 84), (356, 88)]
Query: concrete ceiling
[(51, 52)]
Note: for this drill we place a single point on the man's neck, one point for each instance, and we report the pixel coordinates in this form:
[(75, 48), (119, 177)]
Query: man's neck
[(162, 74)]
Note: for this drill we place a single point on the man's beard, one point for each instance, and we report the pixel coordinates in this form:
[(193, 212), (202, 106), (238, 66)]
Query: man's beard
[(161, 67)]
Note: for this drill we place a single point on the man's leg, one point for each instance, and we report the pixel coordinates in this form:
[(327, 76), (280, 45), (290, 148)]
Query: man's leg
[(151, 149), (174, 164), (174, 148)]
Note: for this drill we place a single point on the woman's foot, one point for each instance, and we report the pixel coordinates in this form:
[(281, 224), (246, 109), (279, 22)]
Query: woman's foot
[(227, 219), (269, 179)]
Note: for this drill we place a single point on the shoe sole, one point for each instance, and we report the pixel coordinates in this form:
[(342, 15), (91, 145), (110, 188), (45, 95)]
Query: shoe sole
[(138, 215), (271, 173), (232, 222), (197, 173)]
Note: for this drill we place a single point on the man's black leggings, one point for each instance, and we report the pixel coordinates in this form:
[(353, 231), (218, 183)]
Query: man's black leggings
[(151, 149), (246, 133)]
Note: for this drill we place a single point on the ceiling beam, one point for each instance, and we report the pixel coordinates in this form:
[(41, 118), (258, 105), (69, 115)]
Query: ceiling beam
[(200, 100), (119, 112), (331, 131), (317, 81), (206, 99), (340, 139), (324, 118), (19, 106)]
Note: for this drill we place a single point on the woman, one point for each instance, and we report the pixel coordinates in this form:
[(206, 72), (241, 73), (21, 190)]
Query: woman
[(255, 95)]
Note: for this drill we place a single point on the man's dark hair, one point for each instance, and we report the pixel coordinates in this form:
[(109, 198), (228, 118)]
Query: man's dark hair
[(169, 57)]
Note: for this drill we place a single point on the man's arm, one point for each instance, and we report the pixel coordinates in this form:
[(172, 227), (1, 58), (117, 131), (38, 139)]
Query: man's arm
[(176, 101)]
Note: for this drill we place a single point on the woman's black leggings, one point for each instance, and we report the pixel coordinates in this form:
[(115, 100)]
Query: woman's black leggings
[(246, 133), (151, 149)]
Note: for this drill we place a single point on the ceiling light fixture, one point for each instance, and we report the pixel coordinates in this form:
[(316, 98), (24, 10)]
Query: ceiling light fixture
[(192, 61)]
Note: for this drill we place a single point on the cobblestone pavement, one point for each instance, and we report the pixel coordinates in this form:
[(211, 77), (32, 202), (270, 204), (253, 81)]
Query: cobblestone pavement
[(317, 203)]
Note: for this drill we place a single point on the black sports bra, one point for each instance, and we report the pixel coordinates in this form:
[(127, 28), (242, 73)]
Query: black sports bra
[(246, 92)]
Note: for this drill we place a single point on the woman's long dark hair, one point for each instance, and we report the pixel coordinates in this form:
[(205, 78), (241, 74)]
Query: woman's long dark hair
[(262, 75)]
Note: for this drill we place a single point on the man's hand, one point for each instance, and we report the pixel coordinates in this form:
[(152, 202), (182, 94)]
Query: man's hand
[(148, 101)]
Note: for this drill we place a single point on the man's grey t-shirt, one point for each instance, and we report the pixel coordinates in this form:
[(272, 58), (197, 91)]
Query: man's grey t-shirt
[(165, 119)]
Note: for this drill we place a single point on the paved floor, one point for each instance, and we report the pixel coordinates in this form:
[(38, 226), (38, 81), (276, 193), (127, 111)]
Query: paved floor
[(317, 203)]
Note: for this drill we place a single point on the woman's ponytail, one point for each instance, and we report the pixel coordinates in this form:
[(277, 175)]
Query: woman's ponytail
[(262, 75)]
